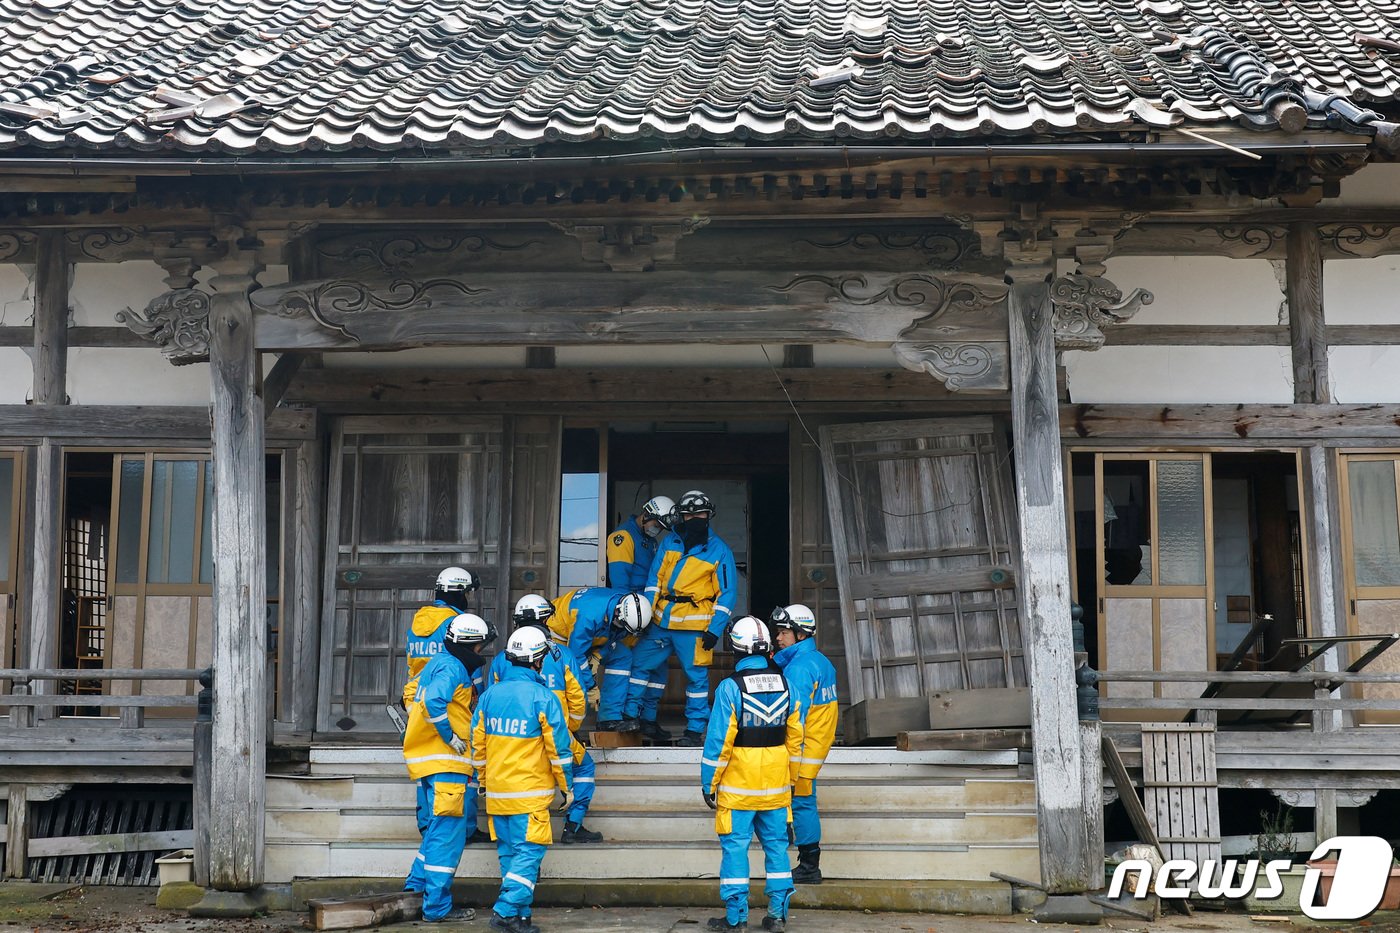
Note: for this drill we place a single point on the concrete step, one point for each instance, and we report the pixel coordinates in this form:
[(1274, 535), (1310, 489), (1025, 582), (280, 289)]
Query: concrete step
[(681, 793), (288, 861), (398, 825)]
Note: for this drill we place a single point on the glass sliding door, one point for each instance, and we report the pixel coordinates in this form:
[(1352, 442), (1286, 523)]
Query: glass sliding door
[(1371, 540)]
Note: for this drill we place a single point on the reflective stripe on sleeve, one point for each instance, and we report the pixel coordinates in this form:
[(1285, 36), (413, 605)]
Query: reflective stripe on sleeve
[(617, 673), (700, 693), (710, 761), (438, 718)]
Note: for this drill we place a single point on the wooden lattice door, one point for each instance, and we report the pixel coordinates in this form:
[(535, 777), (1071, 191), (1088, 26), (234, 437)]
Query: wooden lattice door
[(924, 538)]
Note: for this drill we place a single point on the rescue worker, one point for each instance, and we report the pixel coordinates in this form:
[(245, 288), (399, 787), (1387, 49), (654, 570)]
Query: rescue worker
[(602, 623), (747, 770), (632, 545), (436, 752), (520, 747), (560, 673), (692, 592), (813, 679), (430, 622)]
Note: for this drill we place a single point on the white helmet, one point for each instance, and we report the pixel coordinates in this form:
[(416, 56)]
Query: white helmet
[(796, 617), (632, 613), (527, 646), (467, 629), (748, 635), (659, 508), (457, 580), (532, 609), (694, 501)]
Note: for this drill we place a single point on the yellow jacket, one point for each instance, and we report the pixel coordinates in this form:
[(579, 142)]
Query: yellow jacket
[(752, 776), (441, 708), (695, 590), (520, 744), (424, 641)]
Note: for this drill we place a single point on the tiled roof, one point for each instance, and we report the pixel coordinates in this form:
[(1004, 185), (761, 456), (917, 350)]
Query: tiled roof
[(243, 76)]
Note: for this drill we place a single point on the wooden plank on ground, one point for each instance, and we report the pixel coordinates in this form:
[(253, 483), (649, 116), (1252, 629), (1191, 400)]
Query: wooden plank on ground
[(1127, 793), (615, 739), (111, 842), (1180, 788), (963, 739), (991, 707), (369, 911)]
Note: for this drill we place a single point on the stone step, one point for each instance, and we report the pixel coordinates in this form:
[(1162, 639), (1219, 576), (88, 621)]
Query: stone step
[(675, 793), (287, 861), (398, 825)]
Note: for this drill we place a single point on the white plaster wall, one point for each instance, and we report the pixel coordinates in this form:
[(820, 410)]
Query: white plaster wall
[(100, 290), (696, 355), (1189, 290), (1362, 291), (852, 356), (100, 376), (1364, 374), (428, 358), (16, 310), (1374, 186), (16, 376)]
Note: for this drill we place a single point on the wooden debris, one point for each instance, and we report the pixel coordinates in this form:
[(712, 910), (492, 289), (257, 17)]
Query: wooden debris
[(615, 740), (963, 740), (997, 707), (369, 911)]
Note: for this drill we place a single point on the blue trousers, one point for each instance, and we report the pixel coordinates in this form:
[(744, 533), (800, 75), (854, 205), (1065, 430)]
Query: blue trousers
[(442, 799), (612, 687), (649, 673), (806, 823), (424, 809), (771, 826), (583, 788), (520, 853)]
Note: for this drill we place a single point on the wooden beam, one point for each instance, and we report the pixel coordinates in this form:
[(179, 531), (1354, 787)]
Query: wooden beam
[(238, 782), (143, 422), (569, 309), (428, 388), (1045, 588), (372, 910), (304, 599), (78, 337), (1362, 335), (275, 383), (1233, 422), (50, 319), (963, 740), (1196, 335), (1306, 320), (110, 843)]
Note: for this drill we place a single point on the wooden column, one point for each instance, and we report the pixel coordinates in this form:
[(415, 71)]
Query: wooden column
[(17, 830), (1324, 584), (240, 584), (50, 388), (1045, 589), (1307, 324), (305, 598)]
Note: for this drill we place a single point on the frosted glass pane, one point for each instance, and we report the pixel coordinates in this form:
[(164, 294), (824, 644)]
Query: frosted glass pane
[(129, 521), (1181, 523), (184, 481), (206, 541), (7, 488), (1375, 534)]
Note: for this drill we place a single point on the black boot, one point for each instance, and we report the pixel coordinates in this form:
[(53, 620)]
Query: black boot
[(692, 739), (577, 832), (650, 729), (775, 924), (618, 725), (512, 924), (808, 870), (478, 836), (722, 923)]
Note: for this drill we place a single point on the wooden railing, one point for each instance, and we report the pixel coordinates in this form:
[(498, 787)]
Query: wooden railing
[(1319, 690), (23, 702)]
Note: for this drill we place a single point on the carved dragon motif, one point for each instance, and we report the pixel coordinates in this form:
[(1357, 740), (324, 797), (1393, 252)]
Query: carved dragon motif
[(955, 365), (176, 321), (1084, 305)]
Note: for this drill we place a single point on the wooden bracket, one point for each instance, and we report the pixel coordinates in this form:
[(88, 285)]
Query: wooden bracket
[(626, 247)]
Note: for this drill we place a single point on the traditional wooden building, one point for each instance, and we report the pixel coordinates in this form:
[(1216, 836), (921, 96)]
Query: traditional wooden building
[(962, 311)]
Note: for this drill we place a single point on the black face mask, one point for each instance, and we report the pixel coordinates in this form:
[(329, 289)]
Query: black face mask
[(457, 599), (695, 532), (466, 654)]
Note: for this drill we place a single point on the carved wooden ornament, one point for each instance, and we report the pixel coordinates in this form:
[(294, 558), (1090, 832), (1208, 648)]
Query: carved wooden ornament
[(177, 321)]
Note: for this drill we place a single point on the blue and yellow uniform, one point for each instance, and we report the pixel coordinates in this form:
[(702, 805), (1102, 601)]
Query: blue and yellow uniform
[(812, 680), (520, 747), (582, 620), (630, 553), (691, 592), (560, 675), (424, 641), (749, 763), (441, 709)]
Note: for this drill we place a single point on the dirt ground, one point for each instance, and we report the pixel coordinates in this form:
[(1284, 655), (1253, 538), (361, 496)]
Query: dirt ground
[(66, 909)]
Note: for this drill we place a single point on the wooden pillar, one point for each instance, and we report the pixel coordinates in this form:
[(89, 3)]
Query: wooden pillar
[(50, 388), (305, 617), (17, 830), (1045, 588), (1306, 321), (239, 734), (1324, 584)]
